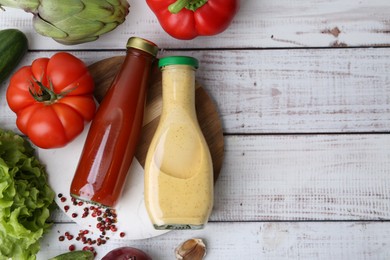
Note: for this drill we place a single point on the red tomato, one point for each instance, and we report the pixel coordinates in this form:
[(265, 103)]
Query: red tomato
[(52, 99)]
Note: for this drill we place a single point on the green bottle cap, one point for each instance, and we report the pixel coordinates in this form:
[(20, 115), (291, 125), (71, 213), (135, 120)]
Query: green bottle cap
[(178, 60)]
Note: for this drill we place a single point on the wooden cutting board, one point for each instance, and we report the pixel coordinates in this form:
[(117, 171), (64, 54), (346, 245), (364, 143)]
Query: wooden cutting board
[(104, 72)]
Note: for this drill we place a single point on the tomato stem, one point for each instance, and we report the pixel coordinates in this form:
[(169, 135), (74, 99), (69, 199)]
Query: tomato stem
[(192, 5), (45, 94)]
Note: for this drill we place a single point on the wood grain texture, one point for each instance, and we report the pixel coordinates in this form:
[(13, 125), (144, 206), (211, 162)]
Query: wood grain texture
[(300, 91), (284, 91), (254, 241), (259, 24), (302, 177)]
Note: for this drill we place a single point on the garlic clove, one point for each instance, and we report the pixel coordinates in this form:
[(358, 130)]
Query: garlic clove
[(191, 249)]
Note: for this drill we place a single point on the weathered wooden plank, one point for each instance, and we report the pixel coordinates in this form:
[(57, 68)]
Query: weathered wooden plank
[(302, 177), (284, 91), (259, 24), (292, 91), (251, 240)]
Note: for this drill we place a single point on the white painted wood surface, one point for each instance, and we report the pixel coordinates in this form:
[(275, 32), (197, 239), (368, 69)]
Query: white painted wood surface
[(259, 24), (285, 91), (303, 90), (265, 240)]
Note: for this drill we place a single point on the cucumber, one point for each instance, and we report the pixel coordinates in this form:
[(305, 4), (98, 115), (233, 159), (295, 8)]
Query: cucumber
[(13, 46), (75, 255)]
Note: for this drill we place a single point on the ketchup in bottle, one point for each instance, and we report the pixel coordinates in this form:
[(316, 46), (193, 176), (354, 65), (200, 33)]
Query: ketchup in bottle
[(115, 130)]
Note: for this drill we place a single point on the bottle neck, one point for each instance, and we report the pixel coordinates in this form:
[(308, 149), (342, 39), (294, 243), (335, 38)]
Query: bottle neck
[(140, 57), (132, 76), (178, 82)]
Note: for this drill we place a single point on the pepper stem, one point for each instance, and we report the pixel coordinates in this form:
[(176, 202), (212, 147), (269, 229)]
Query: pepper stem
[(192, 5)]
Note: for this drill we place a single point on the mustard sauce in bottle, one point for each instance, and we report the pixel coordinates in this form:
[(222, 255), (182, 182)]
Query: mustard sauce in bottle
[(178, 167)]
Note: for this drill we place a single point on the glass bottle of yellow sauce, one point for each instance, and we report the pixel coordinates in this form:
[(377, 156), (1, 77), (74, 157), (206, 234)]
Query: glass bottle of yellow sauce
[(178, 167)]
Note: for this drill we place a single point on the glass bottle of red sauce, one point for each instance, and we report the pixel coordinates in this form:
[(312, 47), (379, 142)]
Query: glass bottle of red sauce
[(114, 133)]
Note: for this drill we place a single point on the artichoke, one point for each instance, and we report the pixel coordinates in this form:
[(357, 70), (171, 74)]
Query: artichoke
[(73, 21)]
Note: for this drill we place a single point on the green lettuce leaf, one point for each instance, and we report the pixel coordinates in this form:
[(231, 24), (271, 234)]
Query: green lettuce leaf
[(26, 199)]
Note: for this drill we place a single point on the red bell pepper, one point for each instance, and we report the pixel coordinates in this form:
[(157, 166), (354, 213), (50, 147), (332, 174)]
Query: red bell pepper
[(187, 19)]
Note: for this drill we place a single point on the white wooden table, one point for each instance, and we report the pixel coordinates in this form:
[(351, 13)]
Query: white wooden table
[(303, 90)]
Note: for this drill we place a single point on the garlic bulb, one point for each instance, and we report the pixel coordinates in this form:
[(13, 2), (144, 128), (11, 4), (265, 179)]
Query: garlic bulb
[(191, 249)]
